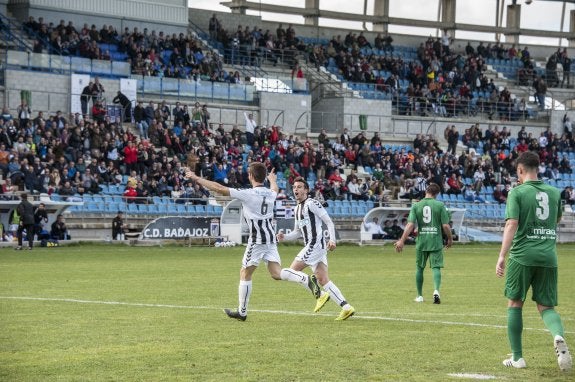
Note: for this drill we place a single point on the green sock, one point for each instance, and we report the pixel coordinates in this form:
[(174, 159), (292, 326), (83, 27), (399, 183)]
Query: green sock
[(514, 331), (419, 280), (436, 277), (552, 321)]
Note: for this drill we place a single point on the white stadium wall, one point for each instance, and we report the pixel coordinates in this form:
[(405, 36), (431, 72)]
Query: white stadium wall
[(168, 15)]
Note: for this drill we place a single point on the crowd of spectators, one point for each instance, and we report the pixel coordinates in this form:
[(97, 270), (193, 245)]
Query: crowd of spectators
[(150, 53), (73, 156), (439, 81)]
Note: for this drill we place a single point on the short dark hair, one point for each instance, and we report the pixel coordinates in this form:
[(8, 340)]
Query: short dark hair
[(529, 160), (258, 171), (302, 180), (433, 189), (23, 196)]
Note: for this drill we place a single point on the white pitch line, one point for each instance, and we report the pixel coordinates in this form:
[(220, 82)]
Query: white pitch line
[(293, 313)]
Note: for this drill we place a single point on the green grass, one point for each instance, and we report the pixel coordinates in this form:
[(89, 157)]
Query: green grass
[(117, 313)]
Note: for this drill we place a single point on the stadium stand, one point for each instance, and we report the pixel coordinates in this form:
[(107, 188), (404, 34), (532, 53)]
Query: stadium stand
[(79, 158)]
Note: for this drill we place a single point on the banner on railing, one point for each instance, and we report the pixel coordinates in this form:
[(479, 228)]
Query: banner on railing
[(129, 87), (79, 82), (180, 227)]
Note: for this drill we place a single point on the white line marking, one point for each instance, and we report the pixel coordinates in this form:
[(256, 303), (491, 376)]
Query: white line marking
[(472, 376), (292, 313)]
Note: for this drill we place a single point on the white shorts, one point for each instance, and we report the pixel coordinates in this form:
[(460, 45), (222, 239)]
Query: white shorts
[(257, 252), (312, 256)]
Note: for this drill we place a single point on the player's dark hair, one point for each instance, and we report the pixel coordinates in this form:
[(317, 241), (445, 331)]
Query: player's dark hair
[(258, 171), (433, 189), (302, 180), (529, 160)]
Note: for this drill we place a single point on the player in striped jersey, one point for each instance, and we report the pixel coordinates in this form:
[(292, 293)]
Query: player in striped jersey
[(258, 206), (309, 216)]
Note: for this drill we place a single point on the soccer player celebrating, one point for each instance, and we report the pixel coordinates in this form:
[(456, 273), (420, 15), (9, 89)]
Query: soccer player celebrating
[(532, 213), (432, 218), (257, 206), (309, 215)]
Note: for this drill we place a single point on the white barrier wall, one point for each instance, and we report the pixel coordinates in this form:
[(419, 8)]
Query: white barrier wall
[(384, 214)]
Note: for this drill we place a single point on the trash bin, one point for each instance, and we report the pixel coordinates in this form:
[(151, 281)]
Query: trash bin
[(26, 95), (363, 122)]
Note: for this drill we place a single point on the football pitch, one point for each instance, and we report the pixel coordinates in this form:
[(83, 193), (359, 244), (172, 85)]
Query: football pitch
[(119, 313)]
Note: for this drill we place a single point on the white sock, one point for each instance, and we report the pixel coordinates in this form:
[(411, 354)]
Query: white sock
[(244, 292), (301, 278), (336, 295)]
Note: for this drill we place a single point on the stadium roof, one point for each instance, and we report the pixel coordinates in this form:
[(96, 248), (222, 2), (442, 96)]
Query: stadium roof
[(545, 22)]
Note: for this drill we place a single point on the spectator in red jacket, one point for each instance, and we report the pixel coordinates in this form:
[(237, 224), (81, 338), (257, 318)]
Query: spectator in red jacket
[(130, 157), (98, 112)]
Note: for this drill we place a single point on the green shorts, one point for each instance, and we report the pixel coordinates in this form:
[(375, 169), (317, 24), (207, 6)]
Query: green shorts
[(543, 281), (435, 258)]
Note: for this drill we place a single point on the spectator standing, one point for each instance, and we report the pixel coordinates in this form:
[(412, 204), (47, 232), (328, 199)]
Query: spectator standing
[(26, 212), (85, 98), (126, 106), (214, 27), (140, 119), (452, 139), (97, 90), (40, 218), (24, 114), (118, 226), (250, 128)]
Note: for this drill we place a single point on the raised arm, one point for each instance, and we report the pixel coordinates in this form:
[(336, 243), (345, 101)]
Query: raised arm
[(213, 186), (272, 178)]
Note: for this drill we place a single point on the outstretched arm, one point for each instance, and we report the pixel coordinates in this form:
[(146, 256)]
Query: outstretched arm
[(213, 186)]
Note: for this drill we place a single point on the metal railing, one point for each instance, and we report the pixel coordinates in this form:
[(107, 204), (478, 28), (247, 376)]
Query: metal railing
[(9, 38), (65, 64)]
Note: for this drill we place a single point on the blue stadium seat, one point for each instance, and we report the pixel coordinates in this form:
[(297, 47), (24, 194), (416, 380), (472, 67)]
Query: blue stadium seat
[(133, 209), (93, 207), (143, 209), (112, 207)]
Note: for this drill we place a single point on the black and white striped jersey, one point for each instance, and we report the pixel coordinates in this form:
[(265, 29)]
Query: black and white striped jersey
[(258, 210), (309, 216)]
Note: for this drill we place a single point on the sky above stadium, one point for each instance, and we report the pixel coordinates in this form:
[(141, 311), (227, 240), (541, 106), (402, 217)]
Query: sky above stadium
[(544, 15)]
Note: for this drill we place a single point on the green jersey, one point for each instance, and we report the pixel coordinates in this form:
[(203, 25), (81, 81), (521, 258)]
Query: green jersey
[(537, 208), (429, 214)]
